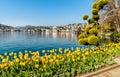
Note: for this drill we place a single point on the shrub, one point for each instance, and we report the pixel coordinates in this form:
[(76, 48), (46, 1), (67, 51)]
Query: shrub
[(81, 36), (105, 2), (101, 4), (112, 29), (95, 17), (87, 28), (91, 20), (85, 17), (117, 35), (93, 40), (83, 41), (93, 31), (95, 12), (94, 5)]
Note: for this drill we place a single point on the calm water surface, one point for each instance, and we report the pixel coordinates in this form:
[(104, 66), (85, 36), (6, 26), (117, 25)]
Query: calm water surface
[(20, 41)]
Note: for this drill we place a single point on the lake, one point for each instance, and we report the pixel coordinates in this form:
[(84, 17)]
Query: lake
[(20, 41)]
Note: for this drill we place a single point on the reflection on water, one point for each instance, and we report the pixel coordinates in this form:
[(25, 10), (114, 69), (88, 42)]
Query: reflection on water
[(19, 41)]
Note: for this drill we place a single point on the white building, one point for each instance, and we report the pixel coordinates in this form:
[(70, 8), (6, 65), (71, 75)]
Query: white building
[(1, 30), (67, 30), (54, 29)]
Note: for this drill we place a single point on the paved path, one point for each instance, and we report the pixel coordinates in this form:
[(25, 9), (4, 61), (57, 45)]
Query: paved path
[(115, 72), (111, 73)]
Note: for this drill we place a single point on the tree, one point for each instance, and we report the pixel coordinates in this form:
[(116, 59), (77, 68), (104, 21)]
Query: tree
[(96, 7)]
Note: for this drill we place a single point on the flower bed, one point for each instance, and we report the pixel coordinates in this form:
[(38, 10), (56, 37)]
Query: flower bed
[(67, 62)]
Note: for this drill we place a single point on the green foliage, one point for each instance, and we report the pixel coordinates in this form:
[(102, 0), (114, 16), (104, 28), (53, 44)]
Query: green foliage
[(81, 36), (98, 7), (93, 31), (83, 41), (95, 17), (105, 2), (94, 5), (87, 28), (114, 48), (85, 17), (117, 35), (94, 11), (93, 40), (101, 4), (91, 20), (98, 26)]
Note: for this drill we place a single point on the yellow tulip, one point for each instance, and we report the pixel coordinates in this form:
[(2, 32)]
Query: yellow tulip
[(43, 51), (11, 63), (15, 56), (51, 61), (2, 66), (73, 56), (54, 57), (86, 53), (73, 59), (36, 65), (43, 60), (7, 57), (83, 51), (94, 52), (84, 58), (78, 53), (37, 53), (5, 64), (11, 53), (5, 53), (26, 51), (57, 61), (4, 60), (65, 51), (78, 58), (37, 60), (68, 54), (58, 56), (17, 60), (44, 66), (63, 59), (20, 55), (83, 54), (22, 63), (26, 56), (1, 56), (60, 49)]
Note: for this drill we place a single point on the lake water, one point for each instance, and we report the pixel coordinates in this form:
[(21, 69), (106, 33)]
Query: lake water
[(20, 41)]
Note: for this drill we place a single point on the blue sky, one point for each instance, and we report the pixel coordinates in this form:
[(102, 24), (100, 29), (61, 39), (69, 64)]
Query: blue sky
[(43, 12)]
